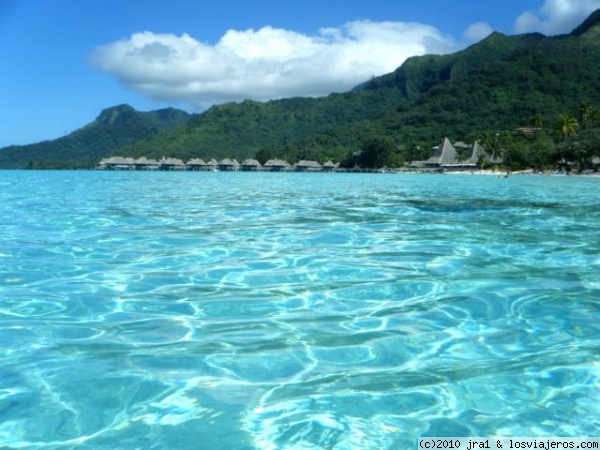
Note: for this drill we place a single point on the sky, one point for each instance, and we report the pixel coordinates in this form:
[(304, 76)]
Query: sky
[(63, 61)]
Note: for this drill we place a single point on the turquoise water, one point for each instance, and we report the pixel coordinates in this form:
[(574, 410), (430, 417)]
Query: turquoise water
[(274, 311)]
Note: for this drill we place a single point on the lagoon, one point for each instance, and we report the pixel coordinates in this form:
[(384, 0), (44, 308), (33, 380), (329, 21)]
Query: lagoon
[(286, 310)]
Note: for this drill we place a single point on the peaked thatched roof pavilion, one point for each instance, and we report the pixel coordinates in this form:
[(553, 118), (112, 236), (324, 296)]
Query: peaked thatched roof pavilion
[(444, 154), (456, 155)]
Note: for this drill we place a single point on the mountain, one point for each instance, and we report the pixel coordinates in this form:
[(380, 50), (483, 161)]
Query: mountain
[(590, 27), (113, 129), (495, 85), (291, 128)]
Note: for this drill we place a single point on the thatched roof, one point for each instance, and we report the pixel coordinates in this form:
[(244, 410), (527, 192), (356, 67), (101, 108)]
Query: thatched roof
[(196, 162), (461, 144), (447, 155), (308, 164), (229, 162), (277, 163), (251, 163), (118, 160), (476, 153), (143, 161), (444, 154), (171, 162)]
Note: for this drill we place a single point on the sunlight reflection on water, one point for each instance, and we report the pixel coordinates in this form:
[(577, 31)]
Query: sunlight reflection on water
[(163, 310)]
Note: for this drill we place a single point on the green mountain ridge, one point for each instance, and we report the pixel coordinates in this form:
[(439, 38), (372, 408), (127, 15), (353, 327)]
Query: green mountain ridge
[(497, 84), (113, 129), (590, 27)]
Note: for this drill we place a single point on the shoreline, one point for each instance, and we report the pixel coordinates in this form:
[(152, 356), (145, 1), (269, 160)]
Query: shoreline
[(502, 174), (498, 174)]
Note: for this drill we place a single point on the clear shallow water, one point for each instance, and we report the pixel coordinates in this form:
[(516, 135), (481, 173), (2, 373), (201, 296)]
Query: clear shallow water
[(271, 311)]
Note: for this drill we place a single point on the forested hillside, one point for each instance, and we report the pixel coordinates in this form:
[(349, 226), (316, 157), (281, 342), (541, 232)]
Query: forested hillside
[(113, 129), (297, 128)]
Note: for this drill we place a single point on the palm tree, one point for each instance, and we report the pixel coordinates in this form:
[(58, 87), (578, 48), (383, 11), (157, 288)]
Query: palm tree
[(461, 154), (595, 117), (538, 120), (567, 126), (489, 143), (586, 113)]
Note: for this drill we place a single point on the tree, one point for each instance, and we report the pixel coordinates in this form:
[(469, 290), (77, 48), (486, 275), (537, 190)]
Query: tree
[(376, 152), (542, 152), (538, 120), (461, 154), (587, 147), (595, 117), (263, 155), (505, 148), (586, 112), (567, 126), (492, 146)]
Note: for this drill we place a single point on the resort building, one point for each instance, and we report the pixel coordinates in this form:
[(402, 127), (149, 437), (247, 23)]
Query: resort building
[(329, 166), (453, 156), (228, 165), (117, 163), (277, 165), (144, 163), (307, 166), (196, 165), (171, 164), (225, 165), (250, 165)]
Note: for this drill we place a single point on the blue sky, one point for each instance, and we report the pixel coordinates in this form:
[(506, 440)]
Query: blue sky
[(63, 61)]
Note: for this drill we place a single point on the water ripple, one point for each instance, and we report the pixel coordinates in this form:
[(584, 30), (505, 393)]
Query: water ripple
[(273, 311)]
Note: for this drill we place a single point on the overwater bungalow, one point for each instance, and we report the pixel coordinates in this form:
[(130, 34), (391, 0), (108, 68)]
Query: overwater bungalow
[(277, 165), (228, 165), (196, 164), (330, 166), (212, 165), (250, 165), (171, 164), (307, 166), (144, 163), (117, 163)]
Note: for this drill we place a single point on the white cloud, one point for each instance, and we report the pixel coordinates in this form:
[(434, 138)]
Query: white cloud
[(478, 31), (264, 64), (556, 16)]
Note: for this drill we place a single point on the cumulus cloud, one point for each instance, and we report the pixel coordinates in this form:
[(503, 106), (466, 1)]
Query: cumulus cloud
[(264, 64), (556, 16), (478, 31)]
